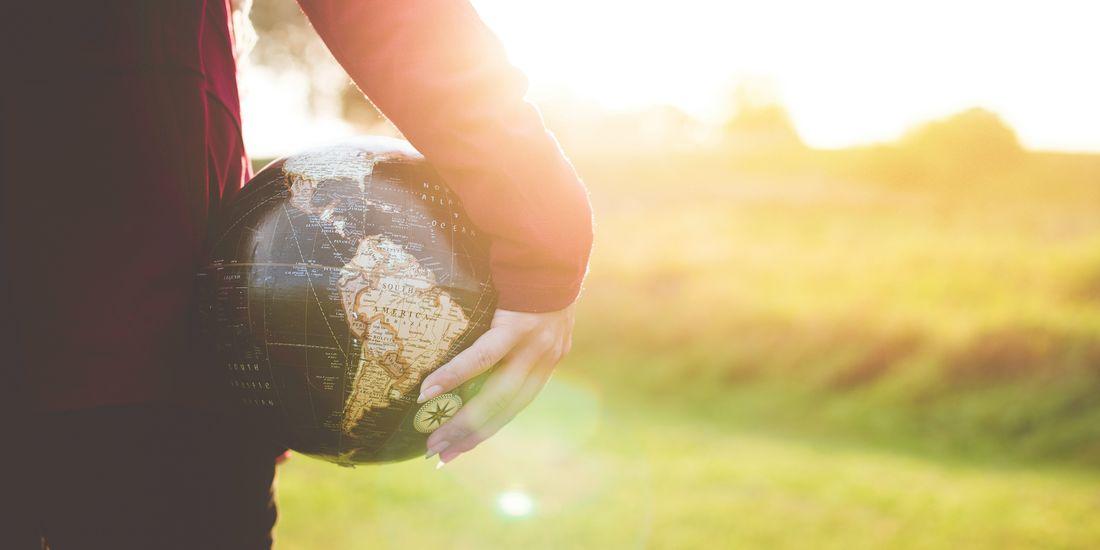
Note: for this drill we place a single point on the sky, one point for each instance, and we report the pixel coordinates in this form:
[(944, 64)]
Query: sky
[(849, 71)]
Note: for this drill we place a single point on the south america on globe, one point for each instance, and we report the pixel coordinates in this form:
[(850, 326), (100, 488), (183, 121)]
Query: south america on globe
[(337, 280)]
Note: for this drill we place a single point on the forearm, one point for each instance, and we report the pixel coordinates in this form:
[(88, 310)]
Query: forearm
[(435, 70)]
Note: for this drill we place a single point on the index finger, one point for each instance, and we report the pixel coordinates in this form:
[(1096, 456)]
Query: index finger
[(485, 352)]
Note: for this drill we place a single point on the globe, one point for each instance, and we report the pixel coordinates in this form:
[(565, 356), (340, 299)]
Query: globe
[(338, 279)]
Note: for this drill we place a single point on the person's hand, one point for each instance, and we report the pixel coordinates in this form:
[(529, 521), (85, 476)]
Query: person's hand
[(527, 346)]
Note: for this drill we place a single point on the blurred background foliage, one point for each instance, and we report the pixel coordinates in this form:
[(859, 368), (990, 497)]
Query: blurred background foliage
[(885, 345)]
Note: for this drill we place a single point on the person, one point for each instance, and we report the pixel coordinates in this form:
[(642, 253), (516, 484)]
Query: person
[(121, 135)]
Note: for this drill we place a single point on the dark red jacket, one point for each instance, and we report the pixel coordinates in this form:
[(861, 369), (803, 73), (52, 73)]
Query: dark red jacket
[(121, 134)]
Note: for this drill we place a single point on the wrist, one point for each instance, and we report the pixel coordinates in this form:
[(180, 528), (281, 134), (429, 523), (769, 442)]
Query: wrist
[(536, 298)]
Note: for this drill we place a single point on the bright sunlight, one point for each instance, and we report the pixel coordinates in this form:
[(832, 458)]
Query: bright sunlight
[(850, 71)]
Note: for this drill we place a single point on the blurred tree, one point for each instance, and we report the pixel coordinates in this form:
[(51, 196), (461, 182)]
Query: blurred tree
[(974, 138), (357, 109), (287, 43), (960, 150), (759, 123)]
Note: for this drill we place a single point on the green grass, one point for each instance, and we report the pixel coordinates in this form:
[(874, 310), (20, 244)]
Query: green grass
[(966, 314), (624, 474), (817, 350)]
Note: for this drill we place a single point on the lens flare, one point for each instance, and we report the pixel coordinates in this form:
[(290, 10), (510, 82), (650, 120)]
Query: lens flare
[(516, 504)]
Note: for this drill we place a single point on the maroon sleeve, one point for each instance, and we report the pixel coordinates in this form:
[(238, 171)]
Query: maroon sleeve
[(435, 70)]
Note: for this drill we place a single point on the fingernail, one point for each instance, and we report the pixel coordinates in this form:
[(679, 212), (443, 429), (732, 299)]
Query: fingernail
[(437, 448), (429, 393), (440, 465)]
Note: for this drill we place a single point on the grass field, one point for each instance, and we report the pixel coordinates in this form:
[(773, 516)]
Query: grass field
[(849, 349), (611, 474)]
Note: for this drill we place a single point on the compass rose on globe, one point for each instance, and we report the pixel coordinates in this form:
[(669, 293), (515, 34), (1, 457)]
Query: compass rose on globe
[(435, 412)]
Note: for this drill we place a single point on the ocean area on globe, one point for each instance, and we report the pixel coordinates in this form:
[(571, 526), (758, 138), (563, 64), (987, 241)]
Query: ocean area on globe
[(336, 281)]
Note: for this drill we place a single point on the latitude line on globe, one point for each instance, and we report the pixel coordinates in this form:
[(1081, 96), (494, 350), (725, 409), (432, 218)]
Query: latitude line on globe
[(267, 350), (240, 219), (309, 280), (310, 346)]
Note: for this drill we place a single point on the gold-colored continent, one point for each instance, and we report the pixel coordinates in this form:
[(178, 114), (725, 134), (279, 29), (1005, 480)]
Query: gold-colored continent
[(406, 324), (394, 306)]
